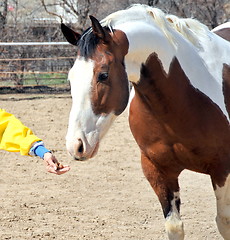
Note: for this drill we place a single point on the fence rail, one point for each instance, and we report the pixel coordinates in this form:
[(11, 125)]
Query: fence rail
[(30, 59), (32, 43), (35, 63)]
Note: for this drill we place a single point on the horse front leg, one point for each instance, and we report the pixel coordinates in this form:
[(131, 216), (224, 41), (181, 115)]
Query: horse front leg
[(223, 207), (165, 185)]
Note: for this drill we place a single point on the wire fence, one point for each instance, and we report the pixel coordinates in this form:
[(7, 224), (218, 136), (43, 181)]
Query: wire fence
[(35, 63)]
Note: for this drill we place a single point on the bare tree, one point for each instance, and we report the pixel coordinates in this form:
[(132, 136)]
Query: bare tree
[(209, 12), (70, 11), (3, 14)]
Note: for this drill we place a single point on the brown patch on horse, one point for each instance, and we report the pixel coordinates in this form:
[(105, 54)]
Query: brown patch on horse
[(224, 33), (176, 126), (110, 94), (226, 86)]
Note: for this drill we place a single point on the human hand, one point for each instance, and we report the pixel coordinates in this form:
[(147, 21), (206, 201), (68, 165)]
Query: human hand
[(53, 166)]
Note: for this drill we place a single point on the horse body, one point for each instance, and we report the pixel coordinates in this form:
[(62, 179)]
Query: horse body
[(182, 130), (223, 31), (179, 113)]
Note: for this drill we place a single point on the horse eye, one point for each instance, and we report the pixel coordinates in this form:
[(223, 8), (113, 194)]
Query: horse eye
[(102, 77)]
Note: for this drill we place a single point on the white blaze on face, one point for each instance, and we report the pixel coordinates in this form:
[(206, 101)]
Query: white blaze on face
[(83, 123)]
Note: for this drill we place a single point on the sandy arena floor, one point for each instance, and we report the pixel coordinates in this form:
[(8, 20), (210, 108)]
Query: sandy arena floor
[(106, 198)]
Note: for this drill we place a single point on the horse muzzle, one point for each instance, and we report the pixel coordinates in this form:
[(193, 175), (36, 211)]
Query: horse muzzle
[(80, 151)]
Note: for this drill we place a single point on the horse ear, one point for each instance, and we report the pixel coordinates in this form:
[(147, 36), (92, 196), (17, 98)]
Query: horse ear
[(98, 30), (71, 36)]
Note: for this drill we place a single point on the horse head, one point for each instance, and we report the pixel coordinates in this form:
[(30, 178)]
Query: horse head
[(99, 86)]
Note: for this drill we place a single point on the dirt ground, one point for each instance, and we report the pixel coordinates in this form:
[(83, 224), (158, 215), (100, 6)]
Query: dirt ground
[(106, 198)]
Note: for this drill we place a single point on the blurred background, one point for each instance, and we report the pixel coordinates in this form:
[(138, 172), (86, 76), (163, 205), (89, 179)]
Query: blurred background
[(38, 21)]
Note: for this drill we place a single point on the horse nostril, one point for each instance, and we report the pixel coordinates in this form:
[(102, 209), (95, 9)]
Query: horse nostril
[(80, 147)]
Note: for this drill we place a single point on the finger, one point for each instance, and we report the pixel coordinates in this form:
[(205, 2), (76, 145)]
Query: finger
[(65, 169), (51, 169), (53, 166), (50, 163)]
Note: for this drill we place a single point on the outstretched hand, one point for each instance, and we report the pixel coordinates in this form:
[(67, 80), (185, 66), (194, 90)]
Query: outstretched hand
[(53, 166)]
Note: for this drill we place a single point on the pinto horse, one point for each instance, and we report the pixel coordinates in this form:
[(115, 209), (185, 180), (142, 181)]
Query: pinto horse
[(223, 30), (180, 105)]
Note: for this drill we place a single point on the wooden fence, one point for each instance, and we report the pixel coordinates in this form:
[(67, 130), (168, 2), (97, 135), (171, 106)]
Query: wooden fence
[(35, 63)]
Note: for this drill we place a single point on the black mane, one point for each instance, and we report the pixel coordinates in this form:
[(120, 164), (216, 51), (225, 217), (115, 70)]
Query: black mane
[(88, 43)]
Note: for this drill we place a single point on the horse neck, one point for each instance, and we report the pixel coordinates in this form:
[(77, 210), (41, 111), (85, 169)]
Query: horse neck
[(145, 39)]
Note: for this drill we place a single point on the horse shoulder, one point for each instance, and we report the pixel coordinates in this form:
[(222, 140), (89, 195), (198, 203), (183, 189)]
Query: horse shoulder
[(176, 112)]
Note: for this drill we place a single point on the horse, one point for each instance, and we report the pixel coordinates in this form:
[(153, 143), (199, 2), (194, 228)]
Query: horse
[(179, 104), (223, 30)]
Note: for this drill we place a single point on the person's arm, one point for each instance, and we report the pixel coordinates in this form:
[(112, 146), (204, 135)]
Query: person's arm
[(52, 165), (16, 137)]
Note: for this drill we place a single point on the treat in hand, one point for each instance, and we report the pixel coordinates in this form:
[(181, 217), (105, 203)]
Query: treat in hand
[(53, 166), (59, 166)]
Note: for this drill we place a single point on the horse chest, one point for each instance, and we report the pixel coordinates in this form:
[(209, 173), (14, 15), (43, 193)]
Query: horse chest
[(172, 142)]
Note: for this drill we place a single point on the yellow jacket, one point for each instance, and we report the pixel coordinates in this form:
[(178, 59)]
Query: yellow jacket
[(14, 136)]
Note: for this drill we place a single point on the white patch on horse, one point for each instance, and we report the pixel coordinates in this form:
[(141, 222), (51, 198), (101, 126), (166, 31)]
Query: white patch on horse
[(173, 225), (83, 123), (80, 76), (145, 39), (223, 209)]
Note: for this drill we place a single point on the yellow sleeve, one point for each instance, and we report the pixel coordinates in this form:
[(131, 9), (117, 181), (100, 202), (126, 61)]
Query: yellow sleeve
[(14, 136)]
